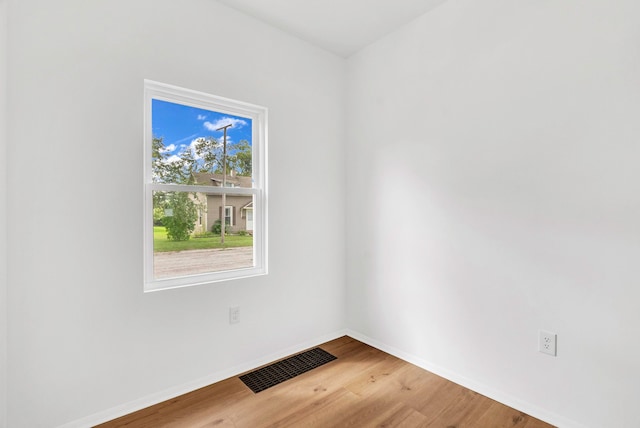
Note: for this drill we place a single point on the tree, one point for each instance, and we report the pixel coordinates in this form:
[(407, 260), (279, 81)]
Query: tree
[(209, 153), (204, 154), (166, 169), (183, 215), (240, 158)]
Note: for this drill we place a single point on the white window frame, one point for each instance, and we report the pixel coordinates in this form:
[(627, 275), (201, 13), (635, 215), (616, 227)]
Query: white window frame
[(258, 115), (230, 208)]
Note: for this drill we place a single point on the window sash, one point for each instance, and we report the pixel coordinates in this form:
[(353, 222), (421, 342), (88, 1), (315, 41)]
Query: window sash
[(188, 97), (259, 252)]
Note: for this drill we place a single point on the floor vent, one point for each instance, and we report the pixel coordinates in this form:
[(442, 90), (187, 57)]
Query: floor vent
[(276, 373)]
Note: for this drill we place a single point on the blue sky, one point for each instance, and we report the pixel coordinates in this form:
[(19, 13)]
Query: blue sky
[(179, 125)]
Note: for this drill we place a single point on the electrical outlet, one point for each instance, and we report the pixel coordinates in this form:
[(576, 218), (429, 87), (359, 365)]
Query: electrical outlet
[(234, 315), (547, 343)]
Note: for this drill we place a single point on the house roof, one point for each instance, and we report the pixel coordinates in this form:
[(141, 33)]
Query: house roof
[(215, 180)]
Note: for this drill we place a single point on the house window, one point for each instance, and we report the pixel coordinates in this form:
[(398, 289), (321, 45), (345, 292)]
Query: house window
[(228, 215), (204, 156)]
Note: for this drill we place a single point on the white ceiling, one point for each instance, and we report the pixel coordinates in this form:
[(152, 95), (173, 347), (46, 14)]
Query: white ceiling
[(340, 26)]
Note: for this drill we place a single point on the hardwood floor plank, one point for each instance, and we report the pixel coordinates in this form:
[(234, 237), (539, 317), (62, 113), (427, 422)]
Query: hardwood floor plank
[(500, 416), (363, 414), (413, 386), (376, 374), (319, 413), (363, 387), (405, 417), (465, 408)]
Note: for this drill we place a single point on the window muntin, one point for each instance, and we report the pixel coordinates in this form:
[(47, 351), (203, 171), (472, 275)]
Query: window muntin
[(194, 170)]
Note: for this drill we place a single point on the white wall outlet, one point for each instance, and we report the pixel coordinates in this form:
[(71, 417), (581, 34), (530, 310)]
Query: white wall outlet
[(547, 343), (234, 315)]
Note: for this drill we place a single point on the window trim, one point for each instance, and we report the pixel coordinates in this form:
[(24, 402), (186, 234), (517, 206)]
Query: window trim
[(258, 115)]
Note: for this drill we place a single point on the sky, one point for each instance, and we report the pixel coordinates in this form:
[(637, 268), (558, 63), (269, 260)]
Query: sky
[(179, 125)]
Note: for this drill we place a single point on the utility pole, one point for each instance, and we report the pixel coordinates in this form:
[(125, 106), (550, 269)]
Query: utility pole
[(223, 219)]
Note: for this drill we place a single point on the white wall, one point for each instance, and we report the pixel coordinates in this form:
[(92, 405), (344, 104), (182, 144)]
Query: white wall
[(83, 337), (3, 213), (494, 191)]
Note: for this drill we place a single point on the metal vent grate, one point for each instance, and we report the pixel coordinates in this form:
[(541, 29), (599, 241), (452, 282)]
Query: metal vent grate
[(276, 373)]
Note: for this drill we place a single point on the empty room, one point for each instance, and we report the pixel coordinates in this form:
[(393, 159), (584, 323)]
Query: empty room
[(440, 198)]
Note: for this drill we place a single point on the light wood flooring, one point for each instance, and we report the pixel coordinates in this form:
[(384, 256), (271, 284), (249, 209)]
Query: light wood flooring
[(364, 387)]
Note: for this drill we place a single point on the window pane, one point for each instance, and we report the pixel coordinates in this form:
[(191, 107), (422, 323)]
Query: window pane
[(190, 141), (188, 236)]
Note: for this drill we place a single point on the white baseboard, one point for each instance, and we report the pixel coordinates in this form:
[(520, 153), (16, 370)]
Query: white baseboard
[(478, 387), (167, 394)]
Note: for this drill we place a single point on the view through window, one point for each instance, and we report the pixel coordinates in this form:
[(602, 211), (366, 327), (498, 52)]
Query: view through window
[(204, 177)]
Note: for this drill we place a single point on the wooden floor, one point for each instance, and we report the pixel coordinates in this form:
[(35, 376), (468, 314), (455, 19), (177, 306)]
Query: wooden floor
[(364, 387)]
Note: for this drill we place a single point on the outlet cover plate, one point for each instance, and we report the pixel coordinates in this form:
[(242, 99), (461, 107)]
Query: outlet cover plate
[(234, 315), (547, 343)]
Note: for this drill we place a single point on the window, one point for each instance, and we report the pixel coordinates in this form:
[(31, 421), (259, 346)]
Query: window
[(228, 215), (205, 158)]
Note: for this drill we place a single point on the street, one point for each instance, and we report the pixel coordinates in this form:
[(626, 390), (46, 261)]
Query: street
[(183, 263)]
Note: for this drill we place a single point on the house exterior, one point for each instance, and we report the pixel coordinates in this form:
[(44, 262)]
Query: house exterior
[(238, 209)]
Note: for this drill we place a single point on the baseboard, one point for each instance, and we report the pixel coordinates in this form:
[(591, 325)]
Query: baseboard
[(478, 387), (150, 400)]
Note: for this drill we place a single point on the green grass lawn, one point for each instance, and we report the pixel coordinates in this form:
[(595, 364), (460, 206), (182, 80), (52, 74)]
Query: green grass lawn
[(161, 243)]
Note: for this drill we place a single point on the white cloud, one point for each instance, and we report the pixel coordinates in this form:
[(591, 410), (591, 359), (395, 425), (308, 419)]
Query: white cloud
[(201, 117), (237, 123), (168, 149), (192, 149), (172, 159)]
